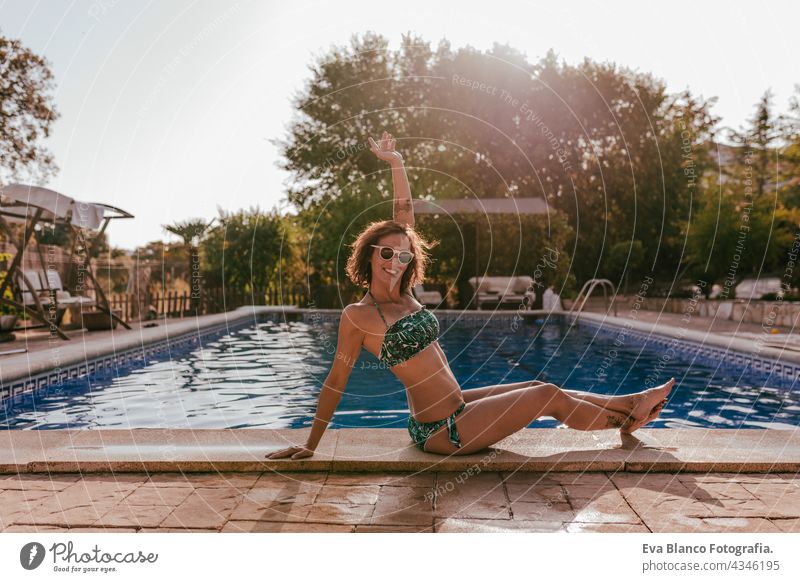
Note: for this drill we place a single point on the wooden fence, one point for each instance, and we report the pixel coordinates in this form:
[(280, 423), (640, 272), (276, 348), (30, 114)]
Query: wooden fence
[(209, 300)]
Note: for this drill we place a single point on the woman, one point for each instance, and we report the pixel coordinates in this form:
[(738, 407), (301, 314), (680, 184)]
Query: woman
[(389, 258)]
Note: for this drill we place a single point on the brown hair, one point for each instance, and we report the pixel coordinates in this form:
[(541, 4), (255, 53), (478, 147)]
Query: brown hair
[(358, 264)]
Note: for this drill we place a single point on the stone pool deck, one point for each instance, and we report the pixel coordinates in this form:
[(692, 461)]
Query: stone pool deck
[(441, 501), (366, 480), (774, 342), (374, 480)]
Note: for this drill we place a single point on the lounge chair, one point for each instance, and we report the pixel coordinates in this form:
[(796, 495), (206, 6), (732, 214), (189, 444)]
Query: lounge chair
[(38, 288), (41, 292), (62, 297), (433, 298), (497, 289), (65, 297)]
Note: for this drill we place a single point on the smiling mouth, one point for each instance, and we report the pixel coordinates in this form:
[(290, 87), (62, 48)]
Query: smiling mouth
[(390, 271)]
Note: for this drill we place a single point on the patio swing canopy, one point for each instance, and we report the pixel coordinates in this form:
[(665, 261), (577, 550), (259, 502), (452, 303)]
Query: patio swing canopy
[(19, 203), (29, 205)]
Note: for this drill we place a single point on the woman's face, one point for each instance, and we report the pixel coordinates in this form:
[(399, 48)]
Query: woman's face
[(389, 272)]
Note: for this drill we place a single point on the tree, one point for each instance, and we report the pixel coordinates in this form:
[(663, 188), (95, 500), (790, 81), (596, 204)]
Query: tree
[(744, 227), (712, 240), (162, 259), (248, 249), (789, 176), (606, 147), (789, 170), (756, 145), (26, 113), (191, 232), (732, 240), (624, 259)]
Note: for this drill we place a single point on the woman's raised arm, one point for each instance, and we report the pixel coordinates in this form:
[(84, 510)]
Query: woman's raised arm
[(403, 209)]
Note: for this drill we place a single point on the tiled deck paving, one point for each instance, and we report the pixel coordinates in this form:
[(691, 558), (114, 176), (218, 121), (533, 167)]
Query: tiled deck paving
[(539, 480), (401, 502)]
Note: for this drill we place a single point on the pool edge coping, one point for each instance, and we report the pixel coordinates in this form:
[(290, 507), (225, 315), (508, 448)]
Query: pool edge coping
[(667, 450)]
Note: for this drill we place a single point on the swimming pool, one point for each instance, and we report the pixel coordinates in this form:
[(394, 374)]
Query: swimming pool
[(268, 375)]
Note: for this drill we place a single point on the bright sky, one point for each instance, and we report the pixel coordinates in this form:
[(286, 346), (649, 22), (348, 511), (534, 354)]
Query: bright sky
[(166, 107)]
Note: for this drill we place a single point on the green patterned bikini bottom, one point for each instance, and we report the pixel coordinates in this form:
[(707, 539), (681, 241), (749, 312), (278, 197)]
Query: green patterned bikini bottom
[(420, 431)]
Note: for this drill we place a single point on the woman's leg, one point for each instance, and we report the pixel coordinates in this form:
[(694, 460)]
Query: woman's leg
[(488, 420), (472, 394), (624, 404)]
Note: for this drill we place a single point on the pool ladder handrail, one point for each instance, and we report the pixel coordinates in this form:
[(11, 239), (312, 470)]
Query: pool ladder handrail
[(591, 284)]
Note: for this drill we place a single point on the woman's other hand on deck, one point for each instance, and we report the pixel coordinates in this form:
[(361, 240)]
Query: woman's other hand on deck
[(385, 151), (299, 452)]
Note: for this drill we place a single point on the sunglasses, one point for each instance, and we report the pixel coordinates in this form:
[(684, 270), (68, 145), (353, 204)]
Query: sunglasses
[(388, 253)]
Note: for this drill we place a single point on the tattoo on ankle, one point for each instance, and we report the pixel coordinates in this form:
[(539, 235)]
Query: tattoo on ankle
[(613, 421), (631, 402)]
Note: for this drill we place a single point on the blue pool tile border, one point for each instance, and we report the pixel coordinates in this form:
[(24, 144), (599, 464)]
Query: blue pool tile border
[(111, 361), (726, 358)]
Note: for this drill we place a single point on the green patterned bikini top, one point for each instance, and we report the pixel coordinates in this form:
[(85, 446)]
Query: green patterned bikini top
[(407, 336)]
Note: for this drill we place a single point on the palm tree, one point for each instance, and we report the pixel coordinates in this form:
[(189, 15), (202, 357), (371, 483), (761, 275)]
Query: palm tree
[(191, 231)]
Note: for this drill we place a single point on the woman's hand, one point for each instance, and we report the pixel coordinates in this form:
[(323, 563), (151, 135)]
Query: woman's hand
[(385, 151), (299, 452)]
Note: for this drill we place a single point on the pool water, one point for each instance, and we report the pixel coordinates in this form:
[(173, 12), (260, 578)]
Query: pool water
[(268, 375)]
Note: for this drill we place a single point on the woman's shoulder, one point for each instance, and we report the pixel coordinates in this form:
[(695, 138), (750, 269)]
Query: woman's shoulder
[(356, 310), (359, 317)]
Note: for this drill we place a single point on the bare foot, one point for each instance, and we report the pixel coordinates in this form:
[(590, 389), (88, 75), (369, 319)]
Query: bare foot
[(637, 424), (647, 400)]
